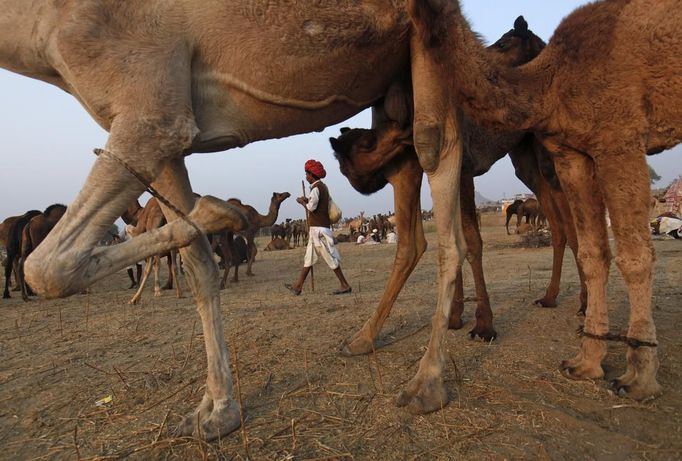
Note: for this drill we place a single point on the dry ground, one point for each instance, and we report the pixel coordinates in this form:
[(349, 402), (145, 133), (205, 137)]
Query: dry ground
[(303, 400)]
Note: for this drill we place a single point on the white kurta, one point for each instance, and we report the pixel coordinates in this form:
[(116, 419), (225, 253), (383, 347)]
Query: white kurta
[(320, 239)]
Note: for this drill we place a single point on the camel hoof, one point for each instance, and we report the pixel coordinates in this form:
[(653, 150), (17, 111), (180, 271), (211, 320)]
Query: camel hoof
[(222, 420), (634, 390), (423, 396), (356, 346), (544, 302), (580, 371), (487, 334), (455, 324)]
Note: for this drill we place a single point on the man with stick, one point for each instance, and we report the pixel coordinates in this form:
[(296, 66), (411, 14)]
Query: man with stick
[(320, 238)]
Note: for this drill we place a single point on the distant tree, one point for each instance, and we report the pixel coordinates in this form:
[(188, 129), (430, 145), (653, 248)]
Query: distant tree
[(653, 175)]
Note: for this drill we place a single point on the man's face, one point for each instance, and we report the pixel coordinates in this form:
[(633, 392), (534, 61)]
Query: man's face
[(309, 178)]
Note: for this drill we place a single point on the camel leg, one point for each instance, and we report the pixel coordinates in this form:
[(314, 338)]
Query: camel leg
[(472, 235), (627, 195), (406, 182), (218, 413), (556, 223), (251, 251), (455, 322), (176, 273), (157, 285), (576, 172), (171, 278), (143, 281)]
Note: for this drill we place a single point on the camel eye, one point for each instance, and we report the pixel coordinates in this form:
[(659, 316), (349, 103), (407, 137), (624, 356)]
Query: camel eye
[(502, 45), (368, 142)]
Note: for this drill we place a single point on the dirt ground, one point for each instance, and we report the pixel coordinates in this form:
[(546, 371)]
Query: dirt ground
[(303, 400)]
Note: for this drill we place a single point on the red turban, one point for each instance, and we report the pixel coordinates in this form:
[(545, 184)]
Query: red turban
[(315, 168)]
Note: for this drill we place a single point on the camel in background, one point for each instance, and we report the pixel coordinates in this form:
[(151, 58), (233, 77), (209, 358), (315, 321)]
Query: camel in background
[(33, 233), (603, 94), (15, 229), (256, 221), (151, 217)]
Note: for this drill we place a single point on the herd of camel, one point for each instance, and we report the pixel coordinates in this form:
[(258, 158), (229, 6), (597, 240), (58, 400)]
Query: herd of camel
[(167, 79)]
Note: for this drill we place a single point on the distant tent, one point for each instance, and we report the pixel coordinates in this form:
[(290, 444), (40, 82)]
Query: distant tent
[(673, 197)]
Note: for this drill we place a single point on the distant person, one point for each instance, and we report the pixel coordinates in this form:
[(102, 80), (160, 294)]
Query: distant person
[(320, 240), (392, 237), (375, 235), (362, 238)]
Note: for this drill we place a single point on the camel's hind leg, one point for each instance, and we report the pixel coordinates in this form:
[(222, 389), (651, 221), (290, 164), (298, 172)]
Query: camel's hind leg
[(576, 172), (406, 182), (627, 195), (218, 413), (484, 315), (157, 285), (147, 270)]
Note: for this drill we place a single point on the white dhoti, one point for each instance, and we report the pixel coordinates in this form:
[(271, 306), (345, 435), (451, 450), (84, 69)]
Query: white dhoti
[(321, 242)]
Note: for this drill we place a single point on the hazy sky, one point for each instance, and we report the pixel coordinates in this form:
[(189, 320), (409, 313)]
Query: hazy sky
[(48, 139)]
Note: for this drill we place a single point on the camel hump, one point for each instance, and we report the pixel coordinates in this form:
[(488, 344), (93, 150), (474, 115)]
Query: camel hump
[(520, 25)]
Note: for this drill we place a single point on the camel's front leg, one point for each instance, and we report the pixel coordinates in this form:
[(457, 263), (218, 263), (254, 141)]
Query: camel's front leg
[(577, 175), (218, 413), (426, 391), (147, 270), (406, 178)]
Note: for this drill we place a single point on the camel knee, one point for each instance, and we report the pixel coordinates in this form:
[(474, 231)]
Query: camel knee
[(636, 268), (55, 277), (595, 262)]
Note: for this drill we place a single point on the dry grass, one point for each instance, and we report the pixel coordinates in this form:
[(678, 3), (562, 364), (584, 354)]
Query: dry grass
[(303, 400)]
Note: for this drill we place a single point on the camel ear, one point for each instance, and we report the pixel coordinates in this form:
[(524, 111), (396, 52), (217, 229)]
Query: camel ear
[(344, 129), (336, 145), (520, 25)]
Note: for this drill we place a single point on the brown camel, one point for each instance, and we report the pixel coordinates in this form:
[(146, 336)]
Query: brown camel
[(5, 228), (603, 93), (32, 235), (366, 158), (256, 221), (277, 244), (531, 210), (167, 79), (511, 210), (151, 217), (13, 246)]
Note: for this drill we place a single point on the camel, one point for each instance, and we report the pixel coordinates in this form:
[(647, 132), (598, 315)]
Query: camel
[(5, 227), (357, 224), (167, 79), (367, 159), (511, 210), (149, 218), (32, 235), (529, 209), (13, 246), (277, 244), (232, 252), (256, 221), (277, 231), (602, 95)]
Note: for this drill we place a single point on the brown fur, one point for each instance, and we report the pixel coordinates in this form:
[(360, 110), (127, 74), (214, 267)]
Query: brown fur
[(277, 244), (604, 93), (256, 221)]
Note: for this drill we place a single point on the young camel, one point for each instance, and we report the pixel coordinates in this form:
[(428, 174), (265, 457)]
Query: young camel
[(151, 217), (604, 93), (370, 158), (167, 79)]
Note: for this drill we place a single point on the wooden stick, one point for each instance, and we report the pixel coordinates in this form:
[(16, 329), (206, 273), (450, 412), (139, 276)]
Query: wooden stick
[(307, 228)]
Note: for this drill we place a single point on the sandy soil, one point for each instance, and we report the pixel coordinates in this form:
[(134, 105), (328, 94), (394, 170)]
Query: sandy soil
[(303, 400)]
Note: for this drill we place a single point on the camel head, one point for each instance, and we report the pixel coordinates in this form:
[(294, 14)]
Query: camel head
[(518, 46), (279, 197), (363, 154)]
